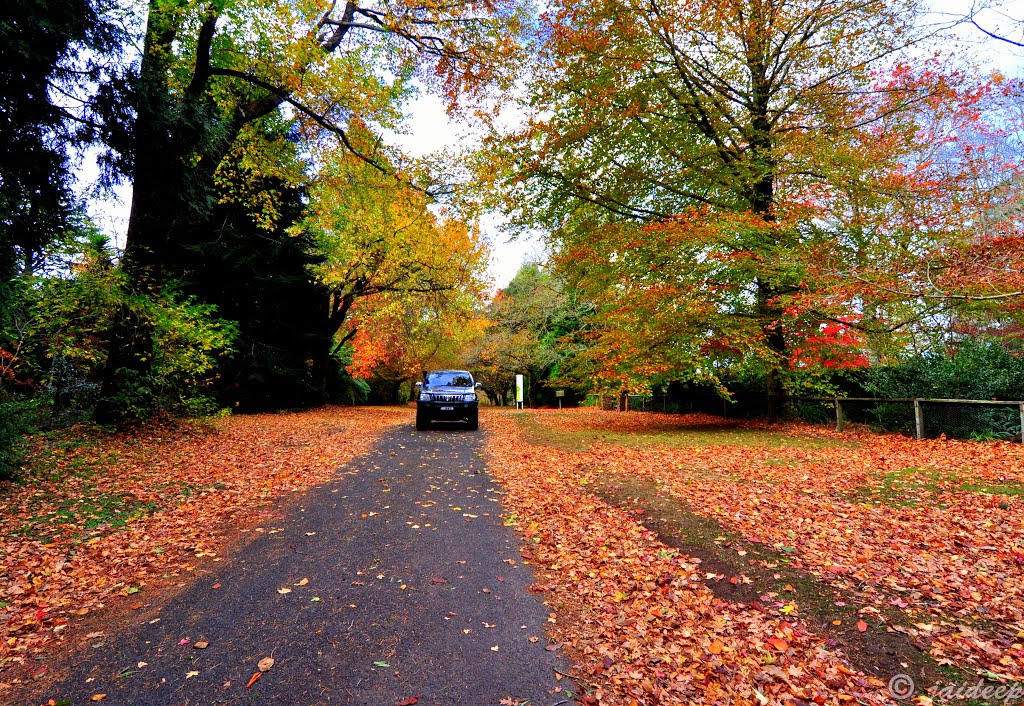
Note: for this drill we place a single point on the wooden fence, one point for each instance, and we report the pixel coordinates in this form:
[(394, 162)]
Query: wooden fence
[(918, 402)]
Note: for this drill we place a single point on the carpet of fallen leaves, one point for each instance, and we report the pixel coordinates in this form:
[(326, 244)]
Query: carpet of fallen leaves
[(930, 529), (104, 514)]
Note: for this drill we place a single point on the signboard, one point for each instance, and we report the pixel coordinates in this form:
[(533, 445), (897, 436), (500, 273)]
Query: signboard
[(559, 393), (520, 386)]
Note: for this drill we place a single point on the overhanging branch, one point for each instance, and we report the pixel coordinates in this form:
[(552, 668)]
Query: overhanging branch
[(286, 96)]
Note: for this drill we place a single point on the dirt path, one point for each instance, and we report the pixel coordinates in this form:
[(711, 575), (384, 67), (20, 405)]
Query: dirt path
[(394, 584)]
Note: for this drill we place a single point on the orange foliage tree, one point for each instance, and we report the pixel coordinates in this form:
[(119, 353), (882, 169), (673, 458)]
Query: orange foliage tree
[(404, 282), (727, 179)]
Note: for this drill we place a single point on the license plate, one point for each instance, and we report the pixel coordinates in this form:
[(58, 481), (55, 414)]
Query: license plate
[(447, 409)]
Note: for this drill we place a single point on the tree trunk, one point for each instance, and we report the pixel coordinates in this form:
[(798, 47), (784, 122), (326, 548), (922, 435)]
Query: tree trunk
[(770, 315), (154, 205)]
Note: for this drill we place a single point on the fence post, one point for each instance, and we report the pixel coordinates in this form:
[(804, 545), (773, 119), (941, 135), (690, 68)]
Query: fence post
[(1022, 422), (918, 420), (839, 414)]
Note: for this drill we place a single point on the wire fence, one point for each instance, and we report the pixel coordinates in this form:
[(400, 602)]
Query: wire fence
[(921, 418)]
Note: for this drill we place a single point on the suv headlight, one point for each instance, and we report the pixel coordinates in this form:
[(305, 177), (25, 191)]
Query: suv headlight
[(424, 397), (469, 398)]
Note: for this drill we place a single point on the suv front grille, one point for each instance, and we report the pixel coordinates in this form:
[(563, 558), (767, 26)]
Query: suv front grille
[(446, 398)]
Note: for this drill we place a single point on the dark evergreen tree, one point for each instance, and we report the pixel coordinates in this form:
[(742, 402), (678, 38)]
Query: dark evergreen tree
[(259, 278), (41, 44)]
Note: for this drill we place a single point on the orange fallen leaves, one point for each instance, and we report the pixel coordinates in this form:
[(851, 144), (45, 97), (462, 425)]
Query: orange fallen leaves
[(891, 521)]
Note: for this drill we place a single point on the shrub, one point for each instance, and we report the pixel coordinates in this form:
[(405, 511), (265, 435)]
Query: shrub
[(16, 419)]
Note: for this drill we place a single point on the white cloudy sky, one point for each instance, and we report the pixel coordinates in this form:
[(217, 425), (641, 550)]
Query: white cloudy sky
[(429, 130)]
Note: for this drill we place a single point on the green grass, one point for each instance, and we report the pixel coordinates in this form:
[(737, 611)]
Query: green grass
[(907, 487), (80, 516), (578, 441), (66, 453)]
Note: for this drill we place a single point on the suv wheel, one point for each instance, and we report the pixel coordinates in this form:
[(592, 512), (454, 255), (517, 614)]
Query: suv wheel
[(474, 420), (422, 421)]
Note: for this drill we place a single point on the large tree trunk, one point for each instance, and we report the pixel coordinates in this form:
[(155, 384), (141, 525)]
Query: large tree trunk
[(123, 391), (177, 145), (770, 316), (761, 198)]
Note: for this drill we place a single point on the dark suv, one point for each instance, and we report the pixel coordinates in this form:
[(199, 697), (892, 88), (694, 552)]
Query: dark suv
[(447, 396)]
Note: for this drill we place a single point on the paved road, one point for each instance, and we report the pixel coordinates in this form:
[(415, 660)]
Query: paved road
[(404, 583)]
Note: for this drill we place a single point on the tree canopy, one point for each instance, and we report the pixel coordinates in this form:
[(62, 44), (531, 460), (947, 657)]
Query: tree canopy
[(726, 179)]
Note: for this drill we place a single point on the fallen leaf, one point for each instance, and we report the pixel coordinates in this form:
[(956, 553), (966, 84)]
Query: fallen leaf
[(201, 645), (97, 697), (265, 664), (862, 626), (253, 679), (284, 590)]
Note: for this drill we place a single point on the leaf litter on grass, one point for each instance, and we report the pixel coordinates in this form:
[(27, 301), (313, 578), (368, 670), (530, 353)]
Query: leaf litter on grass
[(644, 626)]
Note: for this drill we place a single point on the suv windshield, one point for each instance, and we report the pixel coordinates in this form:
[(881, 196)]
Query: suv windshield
[(449, 379)]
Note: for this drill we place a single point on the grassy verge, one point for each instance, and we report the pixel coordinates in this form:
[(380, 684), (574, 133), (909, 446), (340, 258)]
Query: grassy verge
[(577, 440)]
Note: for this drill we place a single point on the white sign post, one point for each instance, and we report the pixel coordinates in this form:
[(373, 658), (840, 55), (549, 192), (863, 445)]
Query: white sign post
[(520, 386)]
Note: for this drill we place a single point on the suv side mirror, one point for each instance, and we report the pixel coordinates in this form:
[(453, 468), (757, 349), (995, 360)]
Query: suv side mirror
[(419, 384), (478, 386)]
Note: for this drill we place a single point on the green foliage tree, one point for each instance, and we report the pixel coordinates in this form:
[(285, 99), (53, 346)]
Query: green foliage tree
[(535, 323), (974, 370), (68, 344), (40, 42)]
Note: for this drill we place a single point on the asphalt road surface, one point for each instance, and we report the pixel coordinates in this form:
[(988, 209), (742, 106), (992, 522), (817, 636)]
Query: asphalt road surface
[(397, 583)]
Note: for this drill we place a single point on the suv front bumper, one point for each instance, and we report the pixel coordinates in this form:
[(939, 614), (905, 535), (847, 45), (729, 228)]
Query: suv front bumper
[(447, 411)]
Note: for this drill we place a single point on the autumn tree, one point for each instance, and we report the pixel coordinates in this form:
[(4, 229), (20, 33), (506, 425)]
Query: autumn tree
[(400, 334), (708, 170), (534, 324), (210, 72), (403, 282)]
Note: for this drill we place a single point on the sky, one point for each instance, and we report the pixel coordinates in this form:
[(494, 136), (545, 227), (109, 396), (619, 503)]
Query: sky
[(429, 129)]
